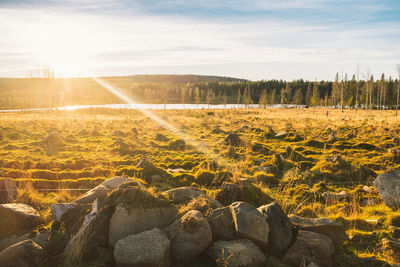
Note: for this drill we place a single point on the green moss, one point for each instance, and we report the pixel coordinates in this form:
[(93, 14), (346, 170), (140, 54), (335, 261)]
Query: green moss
[(205, 177), (266, 179)]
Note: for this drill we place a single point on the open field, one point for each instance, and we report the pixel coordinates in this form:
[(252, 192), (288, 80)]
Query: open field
[(55, 156)]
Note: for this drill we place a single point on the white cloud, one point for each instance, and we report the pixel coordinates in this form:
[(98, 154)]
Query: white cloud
[(89, 41)]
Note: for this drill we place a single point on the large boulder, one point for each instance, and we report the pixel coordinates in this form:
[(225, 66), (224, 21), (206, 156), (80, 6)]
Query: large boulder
[(41, 238), (8, 190), (137, 210), (236, 253), (282, 233), (91, 239), (182, 195), (221, 223), (189, 236), (388, 186), (250, 223), (149, 248), (17, 217), (116, 181), (100, 192), (24, 254), (325, 226), (310, 247)]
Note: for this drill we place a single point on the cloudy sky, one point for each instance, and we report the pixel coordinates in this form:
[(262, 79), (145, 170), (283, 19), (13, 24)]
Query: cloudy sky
[(253, 39)]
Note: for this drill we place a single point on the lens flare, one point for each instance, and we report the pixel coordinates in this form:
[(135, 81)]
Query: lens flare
[(199, 146)]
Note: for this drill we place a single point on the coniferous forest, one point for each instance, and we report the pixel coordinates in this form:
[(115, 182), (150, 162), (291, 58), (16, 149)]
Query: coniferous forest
[(375, 92)]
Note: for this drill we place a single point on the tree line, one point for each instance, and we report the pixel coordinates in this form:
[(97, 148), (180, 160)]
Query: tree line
[(377, 93)]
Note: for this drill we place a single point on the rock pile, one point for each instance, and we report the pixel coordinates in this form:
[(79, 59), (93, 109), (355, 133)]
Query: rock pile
[(127, 225)]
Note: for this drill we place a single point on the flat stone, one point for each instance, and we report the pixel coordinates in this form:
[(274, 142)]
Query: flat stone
[(324, 226), (17, 216), (59, 209)]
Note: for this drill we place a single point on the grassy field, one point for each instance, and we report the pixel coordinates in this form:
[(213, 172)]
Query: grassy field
[(291, 155)]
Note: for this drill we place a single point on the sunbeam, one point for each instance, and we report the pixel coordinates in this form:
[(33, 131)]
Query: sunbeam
[(199, 146)]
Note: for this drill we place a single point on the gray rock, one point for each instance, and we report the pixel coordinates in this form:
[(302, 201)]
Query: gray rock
[(87, 241), (388, 186), (8, 190), (59, 209), (310, 247), (189, 236), (129, 221), (24, 254), (15, 217), (236, 253), (221, 223), (149, 248), (9, 241), (41, 238), (282, 233), (182, 195), (250, 223), (116, 181), (100, 192), (324, 226)]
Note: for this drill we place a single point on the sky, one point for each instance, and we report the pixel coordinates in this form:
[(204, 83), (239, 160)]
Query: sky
[(250, 39)]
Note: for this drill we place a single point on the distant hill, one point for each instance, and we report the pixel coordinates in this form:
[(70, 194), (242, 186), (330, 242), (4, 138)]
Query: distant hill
[(175, 78)]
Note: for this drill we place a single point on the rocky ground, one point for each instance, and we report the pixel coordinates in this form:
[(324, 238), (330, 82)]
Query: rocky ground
[(114, 189)]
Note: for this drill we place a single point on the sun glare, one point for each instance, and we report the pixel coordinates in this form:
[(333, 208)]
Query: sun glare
[(63, 48)]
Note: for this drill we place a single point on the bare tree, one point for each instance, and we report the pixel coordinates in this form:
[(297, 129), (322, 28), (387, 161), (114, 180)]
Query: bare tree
[(341, 112), (366, 95)]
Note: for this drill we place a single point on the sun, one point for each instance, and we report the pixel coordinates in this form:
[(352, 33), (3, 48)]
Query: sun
[(64, 49)]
